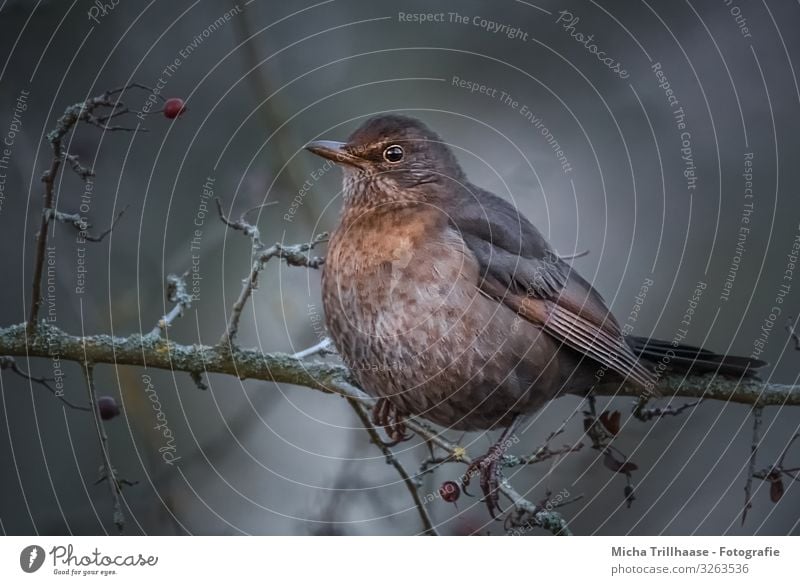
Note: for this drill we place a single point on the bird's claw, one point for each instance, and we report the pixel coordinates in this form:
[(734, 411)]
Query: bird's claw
[(488, 466), (386, 415)]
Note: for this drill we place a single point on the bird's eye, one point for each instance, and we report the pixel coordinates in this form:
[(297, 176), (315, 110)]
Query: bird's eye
[(393, 153)]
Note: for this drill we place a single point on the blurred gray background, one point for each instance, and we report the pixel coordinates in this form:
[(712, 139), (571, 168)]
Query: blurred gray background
[(273, 459)]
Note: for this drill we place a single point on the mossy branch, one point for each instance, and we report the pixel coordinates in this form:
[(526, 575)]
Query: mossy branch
[(156, 352)]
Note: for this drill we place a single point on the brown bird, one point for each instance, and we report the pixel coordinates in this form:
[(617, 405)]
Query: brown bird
[(447, 304)]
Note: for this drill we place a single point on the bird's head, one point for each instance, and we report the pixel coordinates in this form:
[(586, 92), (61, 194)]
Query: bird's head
[(392, 160)]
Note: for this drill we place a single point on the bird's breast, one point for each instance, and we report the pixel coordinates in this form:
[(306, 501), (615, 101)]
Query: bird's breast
[(398, 289)]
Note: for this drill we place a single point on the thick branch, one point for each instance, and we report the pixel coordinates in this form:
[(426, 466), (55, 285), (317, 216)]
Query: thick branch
[(153, 351)]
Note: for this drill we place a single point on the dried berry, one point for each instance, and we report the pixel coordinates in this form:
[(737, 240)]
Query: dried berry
[(775, 487), (611, 421), (450, 491), (107, 407), (174, 107)]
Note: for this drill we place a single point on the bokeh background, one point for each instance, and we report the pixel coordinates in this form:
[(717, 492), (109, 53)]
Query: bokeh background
[(262, 458)]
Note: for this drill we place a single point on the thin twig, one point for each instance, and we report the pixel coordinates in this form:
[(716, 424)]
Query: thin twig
[(79, 224), (790, 327), (647, 414), (321, 348), (83, 172), (779, 469), (293, 255), (428, 527), (786, 449), (242, 225), (177, 293), (543, 453), (593, 427), (8, 362), (110, 472), (429, 465), (751, 467)]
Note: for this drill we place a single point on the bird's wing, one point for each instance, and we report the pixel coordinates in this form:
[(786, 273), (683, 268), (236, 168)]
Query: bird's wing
[(521, 270)]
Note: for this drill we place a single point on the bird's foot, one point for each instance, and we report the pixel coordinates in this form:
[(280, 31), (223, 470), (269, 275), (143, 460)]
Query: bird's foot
[(488, 467), (386, 415)]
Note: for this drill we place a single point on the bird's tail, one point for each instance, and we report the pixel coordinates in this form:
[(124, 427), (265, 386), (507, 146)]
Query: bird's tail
[(689, 359)]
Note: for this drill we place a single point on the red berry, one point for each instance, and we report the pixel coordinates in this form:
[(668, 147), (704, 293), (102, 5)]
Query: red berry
[(107, 407), (450, 491), (174, 107)]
